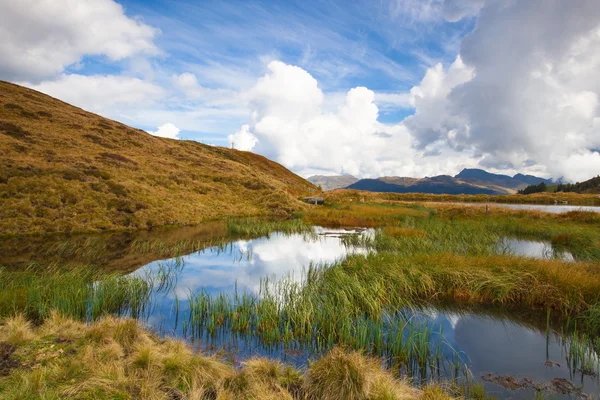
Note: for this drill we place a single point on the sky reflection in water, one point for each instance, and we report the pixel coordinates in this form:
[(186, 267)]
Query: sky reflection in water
[(487, 344)]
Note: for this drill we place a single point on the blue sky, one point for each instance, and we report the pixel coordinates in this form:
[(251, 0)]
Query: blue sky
[(370, 88), (342, 45)]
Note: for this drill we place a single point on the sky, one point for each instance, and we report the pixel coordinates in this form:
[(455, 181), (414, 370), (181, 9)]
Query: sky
[(369, 88)]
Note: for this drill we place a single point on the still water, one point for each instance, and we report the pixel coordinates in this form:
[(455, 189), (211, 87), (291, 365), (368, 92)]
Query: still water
[(554, 209), (510, 353), (533, 249)]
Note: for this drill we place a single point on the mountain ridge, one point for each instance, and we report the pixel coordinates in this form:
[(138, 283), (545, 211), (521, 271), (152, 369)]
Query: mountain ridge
[(468, 181)]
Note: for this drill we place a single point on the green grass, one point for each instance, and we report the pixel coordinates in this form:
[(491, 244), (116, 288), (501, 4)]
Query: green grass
[(422, 257), (80, 294), (262, 227)]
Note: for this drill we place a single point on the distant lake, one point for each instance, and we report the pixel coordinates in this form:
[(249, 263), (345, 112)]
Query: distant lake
[(555, 208)]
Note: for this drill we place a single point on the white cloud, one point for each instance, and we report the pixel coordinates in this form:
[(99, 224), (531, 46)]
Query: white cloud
[(291, 122), (167, 130), (242, 139), (393, 100), (41, 38), (104, 94), (532, 96), (455, 10)]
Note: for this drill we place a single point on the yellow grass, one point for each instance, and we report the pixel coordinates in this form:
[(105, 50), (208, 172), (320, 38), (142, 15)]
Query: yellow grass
[(64, 169), (117, 359), (360, 214)]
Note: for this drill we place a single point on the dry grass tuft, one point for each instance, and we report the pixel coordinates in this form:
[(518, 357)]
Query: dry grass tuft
[(116, 359), (351, 376), (16, 331)]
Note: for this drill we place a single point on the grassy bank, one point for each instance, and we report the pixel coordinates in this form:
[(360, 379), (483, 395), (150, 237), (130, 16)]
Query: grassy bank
[(455, 228), (116, 359), (422, 256), (347, 195)]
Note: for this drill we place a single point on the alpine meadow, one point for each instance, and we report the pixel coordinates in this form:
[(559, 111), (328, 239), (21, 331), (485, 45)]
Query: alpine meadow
[(247, 200)]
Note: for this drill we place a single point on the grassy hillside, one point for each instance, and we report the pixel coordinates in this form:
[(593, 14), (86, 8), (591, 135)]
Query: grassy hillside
[(65, 169)]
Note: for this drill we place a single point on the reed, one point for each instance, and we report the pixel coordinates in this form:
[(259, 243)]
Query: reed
[(79, 294), (262, 227)]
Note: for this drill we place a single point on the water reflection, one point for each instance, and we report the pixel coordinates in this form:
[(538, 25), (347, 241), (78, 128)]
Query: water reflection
[(554, 209), (243, 264), (533, 249), (500, 346)]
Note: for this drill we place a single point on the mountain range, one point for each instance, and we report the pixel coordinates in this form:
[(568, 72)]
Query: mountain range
[(468, 181)]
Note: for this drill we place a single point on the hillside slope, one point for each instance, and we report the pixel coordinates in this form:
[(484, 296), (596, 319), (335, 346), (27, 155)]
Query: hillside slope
[(65, 169)]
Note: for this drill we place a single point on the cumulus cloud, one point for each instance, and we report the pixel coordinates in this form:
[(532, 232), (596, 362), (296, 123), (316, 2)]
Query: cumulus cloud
[(167, 130), (242, 139), (524, 90), (41, 38), (104, 94), (291, 123)]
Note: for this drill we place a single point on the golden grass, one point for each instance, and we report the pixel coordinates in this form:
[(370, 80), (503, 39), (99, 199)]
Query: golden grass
[(396, 231), (117, 359), (64, 169), (360, 214), (351, 376)]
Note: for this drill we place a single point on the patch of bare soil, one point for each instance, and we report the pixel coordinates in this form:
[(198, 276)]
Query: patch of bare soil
[(7, 362)]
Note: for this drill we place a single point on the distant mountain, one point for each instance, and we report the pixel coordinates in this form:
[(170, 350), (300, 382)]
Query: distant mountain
[(332, 182), (442, 184), (481, 177), (468, 181)]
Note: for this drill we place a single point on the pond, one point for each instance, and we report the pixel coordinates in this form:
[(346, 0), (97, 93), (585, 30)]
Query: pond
[(554, 209), (512, 354), (532, 248)]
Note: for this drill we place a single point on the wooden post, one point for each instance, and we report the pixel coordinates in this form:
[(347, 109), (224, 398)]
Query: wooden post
[(486, 209)]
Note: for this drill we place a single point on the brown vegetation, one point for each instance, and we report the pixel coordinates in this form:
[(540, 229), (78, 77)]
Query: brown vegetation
[(116, 358), (64, 169), (347, 195)]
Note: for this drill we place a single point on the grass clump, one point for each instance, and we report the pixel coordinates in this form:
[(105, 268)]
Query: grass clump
[(255, 228), (76, 365), (350, 375)]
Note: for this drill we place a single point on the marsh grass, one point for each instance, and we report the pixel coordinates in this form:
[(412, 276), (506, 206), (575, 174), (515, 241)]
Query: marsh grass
[(361, 214), (80, 294), (420, 258), (263, 227), (116, 358), (464, 230)]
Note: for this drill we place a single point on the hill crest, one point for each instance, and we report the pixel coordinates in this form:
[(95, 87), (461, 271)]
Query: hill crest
[(65, 169)]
